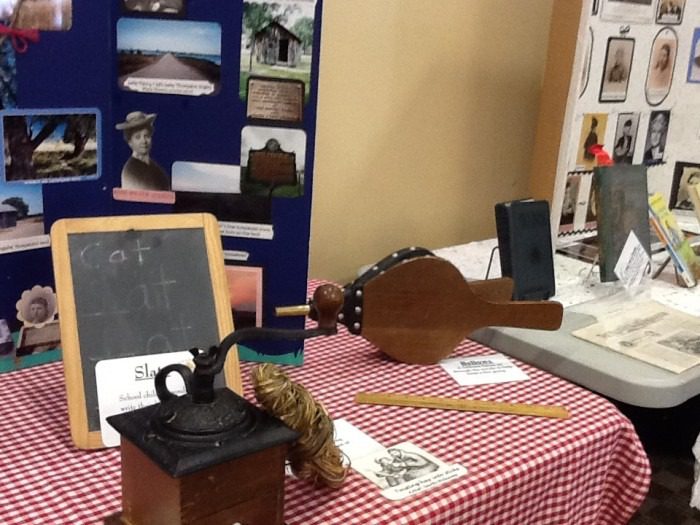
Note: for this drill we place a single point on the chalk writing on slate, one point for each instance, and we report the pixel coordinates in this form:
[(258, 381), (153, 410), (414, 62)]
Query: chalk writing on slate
[(139, 292)]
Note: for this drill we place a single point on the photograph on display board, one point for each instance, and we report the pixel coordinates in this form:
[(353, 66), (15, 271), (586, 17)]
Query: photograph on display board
[(142, 179), (176, 57), (245, 292), (616, 72), (276, 42), (46, 15), (158, 7), (625, 137), (662, 61), (657, 133), (141, 171), (592, 132), (21, 215), (685, 175), (629, 11), (694, 62), (46, 146), (206, 177), (568, 206), (670, 12), (202, 187), (273, 161)]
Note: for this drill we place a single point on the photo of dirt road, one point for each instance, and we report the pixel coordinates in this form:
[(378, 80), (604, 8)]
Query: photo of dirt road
[(169, 56)]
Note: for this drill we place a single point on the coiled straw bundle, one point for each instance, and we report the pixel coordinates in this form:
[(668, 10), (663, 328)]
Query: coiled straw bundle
[(314, 457)]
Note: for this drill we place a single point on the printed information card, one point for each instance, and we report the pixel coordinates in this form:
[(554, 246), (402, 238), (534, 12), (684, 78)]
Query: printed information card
[(400, 471), (127, 384), (482, 369)]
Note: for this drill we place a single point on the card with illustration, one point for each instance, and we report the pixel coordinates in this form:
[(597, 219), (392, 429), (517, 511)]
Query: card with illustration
[(176, 57), (46, 146), (405, 470)]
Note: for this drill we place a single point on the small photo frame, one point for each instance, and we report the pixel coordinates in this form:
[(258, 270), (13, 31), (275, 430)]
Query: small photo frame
[(155, 7), (694, 61), (65, 145), (684, 174), (657, 133), (625, 138), (662, 61), (616, 72), (670, 12)]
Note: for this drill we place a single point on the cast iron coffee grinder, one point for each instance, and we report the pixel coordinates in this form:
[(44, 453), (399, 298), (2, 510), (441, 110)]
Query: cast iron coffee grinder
[(209, 456)]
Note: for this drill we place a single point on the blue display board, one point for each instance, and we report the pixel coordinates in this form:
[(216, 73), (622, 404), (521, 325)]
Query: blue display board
[(143, 107)]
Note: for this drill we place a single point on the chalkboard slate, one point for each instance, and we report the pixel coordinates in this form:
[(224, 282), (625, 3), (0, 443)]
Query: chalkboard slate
[(131, 286)]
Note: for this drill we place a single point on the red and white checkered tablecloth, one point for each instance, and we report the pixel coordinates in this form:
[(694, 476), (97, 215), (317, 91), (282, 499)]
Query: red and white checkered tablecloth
[(588, 469)]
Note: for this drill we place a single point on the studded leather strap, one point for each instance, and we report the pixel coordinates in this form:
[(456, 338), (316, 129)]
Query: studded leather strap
[(351, 313)]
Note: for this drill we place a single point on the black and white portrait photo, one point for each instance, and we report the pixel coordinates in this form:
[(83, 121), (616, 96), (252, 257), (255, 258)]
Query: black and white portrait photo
[(625, 137), (662, 61), (37, 306), (685, 176), (616, 72), (140, 171), (657, 133)]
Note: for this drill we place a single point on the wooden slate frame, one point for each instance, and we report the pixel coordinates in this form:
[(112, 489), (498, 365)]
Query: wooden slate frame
[(70, 343)]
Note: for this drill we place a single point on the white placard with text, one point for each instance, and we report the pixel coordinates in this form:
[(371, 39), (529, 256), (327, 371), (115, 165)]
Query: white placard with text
[(127, 384)]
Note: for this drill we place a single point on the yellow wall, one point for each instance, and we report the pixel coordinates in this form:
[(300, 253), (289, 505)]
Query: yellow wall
[(426, 117)]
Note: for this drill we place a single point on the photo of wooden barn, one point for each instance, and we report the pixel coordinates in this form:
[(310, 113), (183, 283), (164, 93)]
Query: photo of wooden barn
[(275, 45)]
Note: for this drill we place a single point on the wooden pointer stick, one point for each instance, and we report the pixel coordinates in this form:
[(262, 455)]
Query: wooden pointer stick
[(466, 405)]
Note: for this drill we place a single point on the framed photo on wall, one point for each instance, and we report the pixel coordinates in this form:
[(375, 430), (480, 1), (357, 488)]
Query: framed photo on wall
[(662, 61), (616, 72), (670, 12)]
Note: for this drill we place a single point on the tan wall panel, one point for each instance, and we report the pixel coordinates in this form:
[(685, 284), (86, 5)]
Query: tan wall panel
[(426, 117)]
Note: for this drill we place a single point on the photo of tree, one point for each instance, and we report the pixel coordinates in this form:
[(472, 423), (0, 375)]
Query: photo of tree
[(49, 147)]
